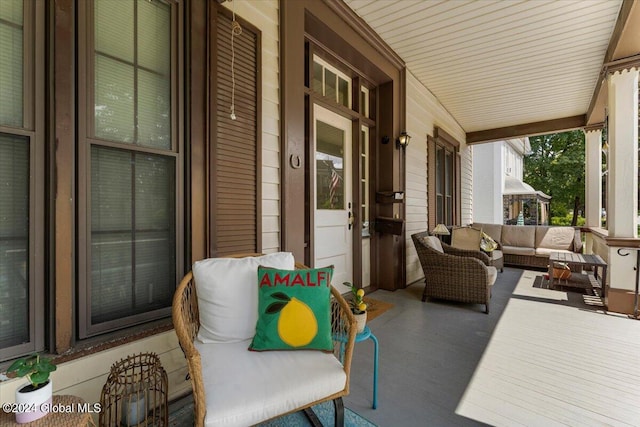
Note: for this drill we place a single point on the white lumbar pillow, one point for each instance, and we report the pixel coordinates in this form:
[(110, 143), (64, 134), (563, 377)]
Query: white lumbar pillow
[(227, 290)]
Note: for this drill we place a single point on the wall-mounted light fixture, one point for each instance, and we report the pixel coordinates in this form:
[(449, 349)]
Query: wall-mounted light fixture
[(403, 140)]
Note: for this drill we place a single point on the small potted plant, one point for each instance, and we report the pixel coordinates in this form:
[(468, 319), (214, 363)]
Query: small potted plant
[(358, 306), (33, 399)]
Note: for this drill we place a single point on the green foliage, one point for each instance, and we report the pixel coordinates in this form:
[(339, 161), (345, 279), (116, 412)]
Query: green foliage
[(556, 167), (566, 220), (34, 367)]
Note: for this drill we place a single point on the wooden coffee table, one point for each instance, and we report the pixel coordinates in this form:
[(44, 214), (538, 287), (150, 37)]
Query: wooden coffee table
[(573, 259)]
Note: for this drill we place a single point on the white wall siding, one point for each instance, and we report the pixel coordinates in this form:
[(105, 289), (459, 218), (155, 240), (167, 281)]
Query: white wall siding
[(424, 112), (466, 185), (264, 15), (487, 183), (419, 125)]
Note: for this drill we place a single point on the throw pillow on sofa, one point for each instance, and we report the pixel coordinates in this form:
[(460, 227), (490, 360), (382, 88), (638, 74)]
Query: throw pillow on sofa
[(487, 244)]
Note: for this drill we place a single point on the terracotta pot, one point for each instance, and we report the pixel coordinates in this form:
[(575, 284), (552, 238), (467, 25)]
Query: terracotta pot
[(36, 403), (361, 321)]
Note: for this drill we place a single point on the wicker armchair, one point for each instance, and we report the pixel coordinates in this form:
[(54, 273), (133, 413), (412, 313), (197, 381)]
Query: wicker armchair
[(456, 275), (186, 322)]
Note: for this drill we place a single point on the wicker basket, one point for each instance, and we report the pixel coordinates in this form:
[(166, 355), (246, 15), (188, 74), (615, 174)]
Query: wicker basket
[(135, 393), (561, 271)]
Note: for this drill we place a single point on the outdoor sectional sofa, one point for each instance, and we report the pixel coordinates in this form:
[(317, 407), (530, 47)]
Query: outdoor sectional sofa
[(530, 245)]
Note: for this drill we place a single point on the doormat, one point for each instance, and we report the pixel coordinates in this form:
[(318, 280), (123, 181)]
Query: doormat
[(376, 307)]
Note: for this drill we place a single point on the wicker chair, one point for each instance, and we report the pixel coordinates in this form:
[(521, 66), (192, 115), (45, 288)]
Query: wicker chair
[(456, 274), (186, 323)]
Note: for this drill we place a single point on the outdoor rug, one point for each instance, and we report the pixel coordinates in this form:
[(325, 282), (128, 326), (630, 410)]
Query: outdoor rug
[(375, 307), (183, 417), (324, 412)]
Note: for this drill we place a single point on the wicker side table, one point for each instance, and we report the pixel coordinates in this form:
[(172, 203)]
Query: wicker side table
[(60, 418)]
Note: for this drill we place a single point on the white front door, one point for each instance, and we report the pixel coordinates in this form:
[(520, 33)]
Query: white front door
[(333, 207)]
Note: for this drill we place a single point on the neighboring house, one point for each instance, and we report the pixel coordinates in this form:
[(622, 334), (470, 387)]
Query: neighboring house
[(499, 191), (129, 149)]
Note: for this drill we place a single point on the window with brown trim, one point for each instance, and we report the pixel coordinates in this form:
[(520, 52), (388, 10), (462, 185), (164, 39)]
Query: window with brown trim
[(444, 179), (129, 163), (236, 160), (21, 179)]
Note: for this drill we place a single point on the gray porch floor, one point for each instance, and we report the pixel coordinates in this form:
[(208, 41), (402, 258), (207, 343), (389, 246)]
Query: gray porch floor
[(541, 358)]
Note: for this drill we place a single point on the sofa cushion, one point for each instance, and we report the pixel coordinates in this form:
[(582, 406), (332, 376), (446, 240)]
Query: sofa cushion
[(521, 236), (517, 250), (294, 309), (228, 296), (554, 237), (240, 384), (466, 238), (545, 252), (493, 230)]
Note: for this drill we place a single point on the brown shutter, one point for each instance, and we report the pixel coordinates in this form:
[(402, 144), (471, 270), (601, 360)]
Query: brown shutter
[(235, 144)]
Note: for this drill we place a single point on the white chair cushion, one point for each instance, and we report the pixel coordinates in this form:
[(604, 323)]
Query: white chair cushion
[(433, 242), (227, 290), (243, 388), (492, 272)]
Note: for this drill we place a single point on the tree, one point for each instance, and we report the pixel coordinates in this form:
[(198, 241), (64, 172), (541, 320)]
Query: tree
[(556, 167)]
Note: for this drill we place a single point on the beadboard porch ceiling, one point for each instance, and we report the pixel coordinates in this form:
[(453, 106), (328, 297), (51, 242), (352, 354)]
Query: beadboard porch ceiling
[(496, 63)]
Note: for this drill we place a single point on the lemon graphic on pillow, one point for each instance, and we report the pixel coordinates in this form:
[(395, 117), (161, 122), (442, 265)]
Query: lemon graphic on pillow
[(297, 325)]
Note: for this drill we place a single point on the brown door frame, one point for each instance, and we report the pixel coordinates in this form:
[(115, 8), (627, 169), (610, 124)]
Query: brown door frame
[(332, 25)]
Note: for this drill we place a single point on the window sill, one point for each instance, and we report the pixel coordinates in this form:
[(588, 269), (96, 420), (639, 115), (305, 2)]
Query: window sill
[(104, 342)]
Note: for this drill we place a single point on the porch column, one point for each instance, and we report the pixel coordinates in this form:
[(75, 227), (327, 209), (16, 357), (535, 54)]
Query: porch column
[(593, 173), (622, 183)]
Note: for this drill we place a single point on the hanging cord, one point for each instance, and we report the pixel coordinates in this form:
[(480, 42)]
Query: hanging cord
[(236, 30)]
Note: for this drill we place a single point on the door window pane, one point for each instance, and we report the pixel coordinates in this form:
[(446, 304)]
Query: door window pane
[(328, 81), (11, 63), (317, 78), (330, 84), (14, 240), (329, 166), (343, 92), (364, 177), (132, 233)]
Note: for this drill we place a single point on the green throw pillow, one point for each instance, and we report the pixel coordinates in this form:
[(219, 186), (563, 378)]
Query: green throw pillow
[(294, 310)]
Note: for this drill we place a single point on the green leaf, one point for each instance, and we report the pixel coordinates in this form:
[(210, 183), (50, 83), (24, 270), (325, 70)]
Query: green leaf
[(16, 365), (45, 366), (275, 307), (39, 377), (281, 296), (24, 370)]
